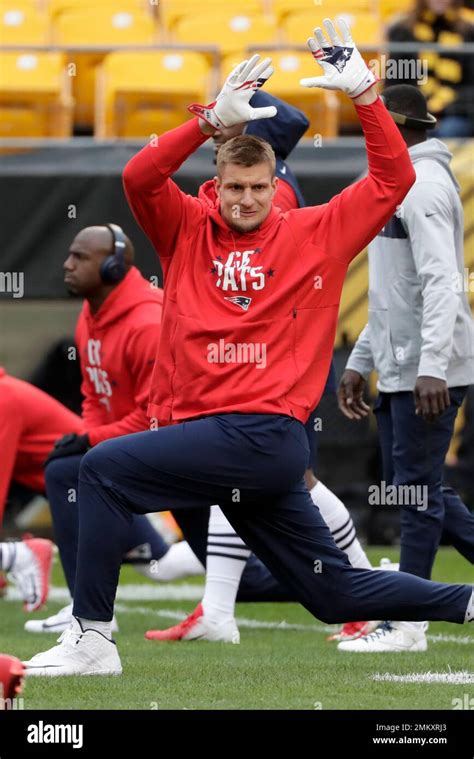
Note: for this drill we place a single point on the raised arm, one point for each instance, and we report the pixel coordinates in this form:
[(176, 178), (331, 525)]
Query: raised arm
[(159, 206), (161, 209), (345, 225)]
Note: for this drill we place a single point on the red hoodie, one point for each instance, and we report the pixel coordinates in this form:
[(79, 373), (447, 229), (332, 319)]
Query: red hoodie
[(117, 347), (249, 320), (30, 423)]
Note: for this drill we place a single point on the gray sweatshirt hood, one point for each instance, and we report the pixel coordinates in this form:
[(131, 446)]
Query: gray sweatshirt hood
[(434, 150)]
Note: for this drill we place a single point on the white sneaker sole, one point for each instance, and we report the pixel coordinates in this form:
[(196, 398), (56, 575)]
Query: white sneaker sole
[(32, 626), (53, 672), (418, 647)]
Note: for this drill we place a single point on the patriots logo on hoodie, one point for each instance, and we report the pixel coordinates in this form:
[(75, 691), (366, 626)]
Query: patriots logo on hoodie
[(242, 301)]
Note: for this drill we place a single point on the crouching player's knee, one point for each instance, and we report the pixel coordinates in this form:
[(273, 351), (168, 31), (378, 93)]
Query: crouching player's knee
[(96, 464), (60, 471)]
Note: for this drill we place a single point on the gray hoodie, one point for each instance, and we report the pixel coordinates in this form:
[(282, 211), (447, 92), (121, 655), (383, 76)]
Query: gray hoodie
[(420, 323)]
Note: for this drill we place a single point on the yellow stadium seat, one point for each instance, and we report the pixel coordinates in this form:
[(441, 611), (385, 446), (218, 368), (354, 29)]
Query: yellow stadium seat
[(365, 27), (321, 9), (22, 24), (171, 11), (141, 94), (320, 107), (35, 95), (388, 9), (112, 25), (227, 30), (56, 7)]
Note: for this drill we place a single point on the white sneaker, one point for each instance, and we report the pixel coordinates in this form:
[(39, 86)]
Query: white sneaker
[(390, 636), (198, 627), (57, 623), (387, 565), (31, 571), (80, 652)]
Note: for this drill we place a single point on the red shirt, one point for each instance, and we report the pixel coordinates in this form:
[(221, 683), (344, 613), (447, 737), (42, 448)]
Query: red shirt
[(249, 320), (117, 347), (30, 423)]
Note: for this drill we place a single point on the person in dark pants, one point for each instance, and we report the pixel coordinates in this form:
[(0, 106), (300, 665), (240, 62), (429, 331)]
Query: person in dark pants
[(239, 368), (232, 572), (116, 338), (420, 340)]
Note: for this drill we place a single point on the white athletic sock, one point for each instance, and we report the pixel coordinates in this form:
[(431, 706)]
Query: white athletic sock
[(341, 525), (179, 561), (14, 555), (104, 628), (227, 556), (470, 610)]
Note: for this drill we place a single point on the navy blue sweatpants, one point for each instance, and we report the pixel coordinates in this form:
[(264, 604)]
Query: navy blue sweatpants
[(252, 466), (413, 453), (62, 476)]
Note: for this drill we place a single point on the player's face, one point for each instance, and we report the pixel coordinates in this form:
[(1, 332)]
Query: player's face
[(82, 269), (245, 195)]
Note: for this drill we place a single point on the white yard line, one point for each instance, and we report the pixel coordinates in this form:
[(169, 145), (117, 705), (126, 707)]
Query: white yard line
[(132, 592), (179, 615), (188, 592), (450, 678)]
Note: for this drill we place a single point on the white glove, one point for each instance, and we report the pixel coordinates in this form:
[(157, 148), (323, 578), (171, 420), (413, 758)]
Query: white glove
[(343, 65), (232, 104)]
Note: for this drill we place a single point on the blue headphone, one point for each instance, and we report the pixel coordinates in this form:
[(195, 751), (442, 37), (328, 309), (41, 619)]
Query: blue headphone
[(114, 269)]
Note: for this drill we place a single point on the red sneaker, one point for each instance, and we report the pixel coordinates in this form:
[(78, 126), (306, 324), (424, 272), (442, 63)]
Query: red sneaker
[(3, 585), (353, 630), (198, 627), (31, 572)]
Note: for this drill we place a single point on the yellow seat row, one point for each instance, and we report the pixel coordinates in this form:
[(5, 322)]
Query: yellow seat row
[(230, 25), (139, 94), (170, 11), (119, 24), (35, 95)]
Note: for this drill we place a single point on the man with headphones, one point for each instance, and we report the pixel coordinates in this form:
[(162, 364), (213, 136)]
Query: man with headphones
[(116, 338)]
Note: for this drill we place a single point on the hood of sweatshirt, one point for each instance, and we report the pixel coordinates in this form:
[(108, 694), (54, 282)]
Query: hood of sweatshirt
[(133, 290), (435, 150)]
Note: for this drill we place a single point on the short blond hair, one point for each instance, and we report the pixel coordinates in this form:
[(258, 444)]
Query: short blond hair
[(246, 150)]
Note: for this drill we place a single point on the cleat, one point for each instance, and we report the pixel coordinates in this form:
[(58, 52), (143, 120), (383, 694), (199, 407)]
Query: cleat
[(31, 572), (390, 637), (198, 627), (3, 585), (80, 652), (57, 623), (353, 630), (388, 566)]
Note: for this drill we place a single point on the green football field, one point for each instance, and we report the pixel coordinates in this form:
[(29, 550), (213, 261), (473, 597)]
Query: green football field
[(283, 662)]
